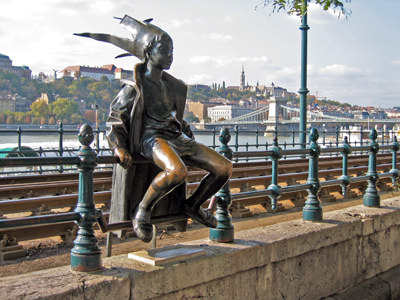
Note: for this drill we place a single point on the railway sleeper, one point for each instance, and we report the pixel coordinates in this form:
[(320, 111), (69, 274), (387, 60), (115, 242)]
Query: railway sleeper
[(9, 248)]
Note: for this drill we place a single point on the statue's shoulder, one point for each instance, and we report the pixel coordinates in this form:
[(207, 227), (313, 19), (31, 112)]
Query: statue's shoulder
[(128, 82), (129, 93), (129, 88), (177, 84)]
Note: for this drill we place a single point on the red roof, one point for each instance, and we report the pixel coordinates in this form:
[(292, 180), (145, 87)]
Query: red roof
[(109, 67), (88, 70)]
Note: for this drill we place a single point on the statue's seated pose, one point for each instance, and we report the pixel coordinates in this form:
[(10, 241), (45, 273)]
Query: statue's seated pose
[(147, 118)]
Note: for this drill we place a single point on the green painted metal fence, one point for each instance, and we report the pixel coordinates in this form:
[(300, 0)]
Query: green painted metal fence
[(86, 255)]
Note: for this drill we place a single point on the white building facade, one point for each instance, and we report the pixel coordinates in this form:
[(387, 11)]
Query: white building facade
[(227, 112)]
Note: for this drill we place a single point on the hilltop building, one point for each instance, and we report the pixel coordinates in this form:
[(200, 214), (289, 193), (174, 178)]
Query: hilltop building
[(6, 64), (111, 72), (119, 73), (85, 71), (262, 90)]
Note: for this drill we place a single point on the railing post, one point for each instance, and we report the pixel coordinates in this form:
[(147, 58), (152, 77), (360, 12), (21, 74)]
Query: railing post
[(98, 140), (345, 163), (394, 171), (19, 131), (86, 255), (274, 187), (293, 139), (349, 140), (214, 134), (61, 143), (40, 155), (236, 137), (312, 211), (224, 232), (371, 196), (247, 150), (257, 132), (337, 136)]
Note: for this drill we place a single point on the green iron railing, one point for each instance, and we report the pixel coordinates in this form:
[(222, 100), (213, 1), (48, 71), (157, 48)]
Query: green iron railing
[(86, 255), (329, 138)]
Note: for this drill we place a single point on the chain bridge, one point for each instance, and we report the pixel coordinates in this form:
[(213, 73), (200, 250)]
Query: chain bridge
[(285, 117)]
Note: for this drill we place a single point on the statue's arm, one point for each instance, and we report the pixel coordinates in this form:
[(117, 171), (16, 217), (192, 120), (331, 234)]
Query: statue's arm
[(118, 124)]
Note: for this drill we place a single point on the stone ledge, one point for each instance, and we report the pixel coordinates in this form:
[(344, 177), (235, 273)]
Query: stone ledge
[(290, 260), (383, 286)]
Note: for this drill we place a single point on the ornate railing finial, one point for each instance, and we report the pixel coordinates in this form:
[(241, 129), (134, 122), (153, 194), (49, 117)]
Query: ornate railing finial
[(86, 135)]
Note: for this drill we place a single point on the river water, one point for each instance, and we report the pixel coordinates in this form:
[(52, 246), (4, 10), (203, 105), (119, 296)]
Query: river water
[(70, 141)]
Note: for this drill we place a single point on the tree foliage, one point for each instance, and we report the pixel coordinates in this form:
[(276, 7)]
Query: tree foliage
[(88, 89), (64, 108), (230, 94), (40, 109), (91, 91), (297, 6)]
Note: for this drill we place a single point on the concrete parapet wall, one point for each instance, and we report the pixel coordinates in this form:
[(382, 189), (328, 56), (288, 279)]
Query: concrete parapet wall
[(290, 260)]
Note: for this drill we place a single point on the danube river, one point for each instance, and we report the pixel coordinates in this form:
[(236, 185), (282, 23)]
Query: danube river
[(51, 141)]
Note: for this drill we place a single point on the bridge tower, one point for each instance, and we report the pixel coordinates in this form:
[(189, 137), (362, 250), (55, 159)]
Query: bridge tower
[(276, 114)]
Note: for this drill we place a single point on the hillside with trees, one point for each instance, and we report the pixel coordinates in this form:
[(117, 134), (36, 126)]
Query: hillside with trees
[(68, 93)]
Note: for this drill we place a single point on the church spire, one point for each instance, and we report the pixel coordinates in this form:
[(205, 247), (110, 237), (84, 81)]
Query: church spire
[(242, 80)]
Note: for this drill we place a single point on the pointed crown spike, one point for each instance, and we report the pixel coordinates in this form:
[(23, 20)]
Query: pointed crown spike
[(142, 34)]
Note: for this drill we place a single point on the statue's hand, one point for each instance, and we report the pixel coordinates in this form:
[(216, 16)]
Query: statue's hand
[(124, 156)]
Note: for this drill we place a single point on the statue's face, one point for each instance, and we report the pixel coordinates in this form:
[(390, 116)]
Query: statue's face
[(161, 55)]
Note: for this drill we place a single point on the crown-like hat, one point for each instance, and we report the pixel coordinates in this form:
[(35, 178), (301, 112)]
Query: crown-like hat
[(142, 34)]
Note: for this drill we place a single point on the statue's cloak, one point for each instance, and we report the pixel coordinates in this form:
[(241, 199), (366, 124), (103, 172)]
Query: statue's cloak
[(124, 129)]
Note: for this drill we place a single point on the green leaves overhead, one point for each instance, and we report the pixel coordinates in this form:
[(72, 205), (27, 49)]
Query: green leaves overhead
[(297, 7)]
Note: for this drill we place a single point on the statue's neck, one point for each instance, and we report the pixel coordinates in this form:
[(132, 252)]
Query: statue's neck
[(153, 73)]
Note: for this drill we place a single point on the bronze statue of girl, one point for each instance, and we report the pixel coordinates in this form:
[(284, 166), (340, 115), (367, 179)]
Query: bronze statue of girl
[(146, 118)]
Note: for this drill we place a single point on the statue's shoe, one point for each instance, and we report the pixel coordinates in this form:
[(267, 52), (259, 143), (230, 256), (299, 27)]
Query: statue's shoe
[(201, 215), (143, 230)]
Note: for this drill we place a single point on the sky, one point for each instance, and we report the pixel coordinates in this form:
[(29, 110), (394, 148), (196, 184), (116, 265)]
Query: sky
[(354, 59)]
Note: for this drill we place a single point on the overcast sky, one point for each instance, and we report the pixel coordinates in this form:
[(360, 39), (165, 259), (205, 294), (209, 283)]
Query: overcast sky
[(354, 60)]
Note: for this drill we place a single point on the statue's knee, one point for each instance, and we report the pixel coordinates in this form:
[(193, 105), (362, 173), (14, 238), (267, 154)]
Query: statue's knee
[(228, 169), (177, 176), (225, 170)]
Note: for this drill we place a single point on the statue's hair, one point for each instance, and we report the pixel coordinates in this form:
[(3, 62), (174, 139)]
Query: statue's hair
[(151, 44)]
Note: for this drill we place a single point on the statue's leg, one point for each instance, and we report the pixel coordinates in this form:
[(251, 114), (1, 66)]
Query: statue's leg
[(174, 173), (219, 168)]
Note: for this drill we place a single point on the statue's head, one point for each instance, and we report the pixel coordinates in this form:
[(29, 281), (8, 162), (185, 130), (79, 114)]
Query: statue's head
[(148, 41), (159, 52)]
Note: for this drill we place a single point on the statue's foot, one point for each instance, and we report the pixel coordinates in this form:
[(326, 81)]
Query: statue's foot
[(201, 215), (143, 230)]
